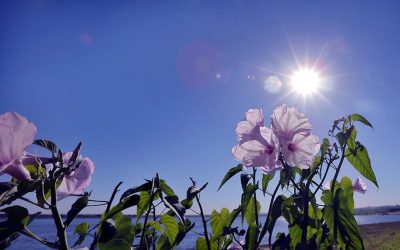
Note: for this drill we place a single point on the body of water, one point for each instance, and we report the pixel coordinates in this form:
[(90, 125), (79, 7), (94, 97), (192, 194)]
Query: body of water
[(44, 228)]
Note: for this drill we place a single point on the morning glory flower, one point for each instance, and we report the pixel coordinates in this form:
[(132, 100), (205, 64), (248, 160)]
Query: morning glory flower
[(16, 134), (259, 153), (249, 129), (287, 122), (300, 151), (236, 245), (360, 186), (78, 180)]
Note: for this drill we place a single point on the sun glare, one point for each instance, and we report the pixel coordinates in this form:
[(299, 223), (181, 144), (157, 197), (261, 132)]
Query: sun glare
[(305, 81)]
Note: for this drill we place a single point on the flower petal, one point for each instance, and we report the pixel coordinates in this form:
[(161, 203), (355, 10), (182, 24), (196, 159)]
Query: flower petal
[(360, 186), (300, 151), (286, 122), (18, 171), (16, 134)]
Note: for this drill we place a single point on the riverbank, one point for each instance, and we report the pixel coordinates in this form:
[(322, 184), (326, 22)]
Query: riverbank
[(381, 235)]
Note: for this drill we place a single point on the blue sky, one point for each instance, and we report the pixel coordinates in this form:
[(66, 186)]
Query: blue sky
[(159, 87)]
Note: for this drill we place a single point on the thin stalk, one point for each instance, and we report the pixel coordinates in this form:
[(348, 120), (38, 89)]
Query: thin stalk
[(204, 223), (338, 168), (154, 219), (109, 203), (333, 187), (255, 196), (265, 227), (28, 233), (322, 181), (148, 212), (61, 229), (304, 225), (33, 203), (112, 196)]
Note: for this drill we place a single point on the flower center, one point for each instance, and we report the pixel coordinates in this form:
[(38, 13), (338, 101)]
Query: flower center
[(292, 147), (269, 150)]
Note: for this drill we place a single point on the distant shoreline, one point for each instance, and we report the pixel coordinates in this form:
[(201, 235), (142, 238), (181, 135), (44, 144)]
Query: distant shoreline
[(381, 210)]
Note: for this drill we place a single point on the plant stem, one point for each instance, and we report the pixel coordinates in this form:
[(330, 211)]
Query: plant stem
[(338, 168), (322, 181), (265, 227), (34, 203), (255, 196), (61, 229), (148, 213), (112, 197), (204, 223), (28, 233), (304, 224)]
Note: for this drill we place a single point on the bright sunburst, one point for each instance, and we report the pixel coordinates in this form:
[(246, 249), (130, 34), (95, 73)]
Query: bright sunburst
[(305, 81)]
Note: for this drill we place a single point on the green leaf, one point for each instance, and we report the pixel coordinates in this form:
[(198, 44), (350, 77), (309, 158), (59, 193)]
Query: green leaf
[(156, 225), (233, 215), (325, 146), (219, 221), (143, 204), (81, 229), (17, 216), (76, 208), (144, 187), (49, 145), (265, 181), (250, 211), (251, 237), (360, 118), (244, 179), (295, 235), (171, 227), (351, 140), (338, 216), (163, 243), (289, 211), (167, 190), (247, 194), (230, 174), (342, 137), (183, 230), (123, 238), (172, 202), (128, 202), (201, 244), (276, 212), (187, 203), (8, 233), (359, 158)]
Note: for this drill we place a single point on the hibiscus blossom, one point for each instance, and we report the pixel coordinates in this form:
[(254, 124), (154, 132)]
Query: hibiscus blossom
[(78, 180), (360, 186), (16, 134)]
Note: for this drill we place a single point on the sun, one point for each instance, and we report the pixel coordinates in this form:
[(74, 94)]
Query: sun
[(305, 81)]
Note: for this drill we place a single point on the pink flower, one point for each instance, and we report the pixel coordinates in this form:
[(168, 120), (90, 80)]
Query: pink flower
[(259, 153), (236, 245), (300, 151), (250, 128), (360, 186), (16, 134), (78, 180), (287, 122)]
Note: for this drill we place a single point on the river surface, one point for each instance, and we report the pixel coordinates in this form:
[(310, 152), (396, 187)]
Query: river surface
[(44, 227)]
